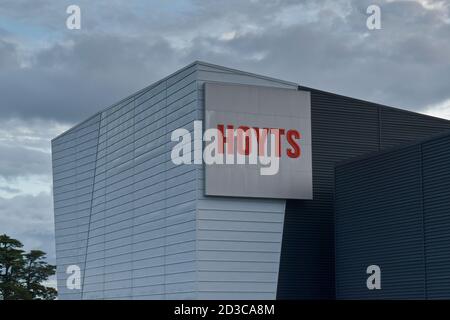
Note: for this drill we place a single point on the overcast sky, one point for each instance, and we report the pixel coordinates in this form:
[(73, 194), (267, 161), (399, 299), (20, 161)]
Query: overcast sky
[(52, 77)]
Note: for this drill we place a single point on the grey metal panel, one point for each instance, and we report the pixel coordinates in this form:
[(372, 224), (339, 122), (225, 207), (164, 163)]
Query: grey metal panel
[(379, 221), (341, 128), (238, 247), (138, 231), (412, 193), (70, 221), (399, 126), (436, 197)]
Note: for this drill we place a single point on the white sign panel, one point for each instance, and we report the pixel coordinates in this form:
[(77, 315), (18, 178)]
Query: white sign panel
[(269, 128)]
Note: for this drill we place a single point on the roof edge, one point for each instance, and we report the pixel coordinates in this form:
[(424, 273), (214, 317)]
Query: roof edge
[(125, 99), (250, 74), (392, 149), (300, 87), (236, 71)]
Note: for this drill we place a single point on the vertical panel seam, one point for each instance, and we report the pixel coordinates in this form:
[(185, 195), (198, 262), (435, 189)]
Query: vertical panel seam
[(92, 200), (134, 186), (335, 235), (198, 171), (165, 192), (379, 128), (422, 198)]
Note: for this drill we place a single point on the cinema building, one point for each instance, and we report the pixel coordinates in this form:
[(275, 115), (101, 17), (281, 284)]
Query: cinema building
[(140, 225)]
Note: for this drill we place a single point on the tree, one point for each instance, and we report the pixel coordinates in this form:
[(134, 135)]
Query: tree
[(22, 274), (36, 271), (11, 262)]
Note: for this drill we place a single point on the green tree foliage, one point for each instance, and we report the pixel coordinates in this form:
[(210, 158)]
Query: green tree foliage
[(22, 274)]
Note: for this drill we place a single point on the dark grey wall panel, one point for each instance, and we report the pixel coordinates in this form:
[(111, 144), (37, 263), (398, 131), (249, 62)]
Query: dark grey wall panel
[(379, 221), (436, 179), (342, 128), (393, 209), (398, 126)]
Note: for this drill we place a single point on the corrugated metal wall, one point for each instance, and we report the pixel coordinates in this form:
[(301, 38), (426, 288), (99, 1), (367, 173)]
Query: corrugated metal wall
[(393, 210), (239, 240), (73, 157), (379, 222), (342, 128), (436, 202), (138, 218)]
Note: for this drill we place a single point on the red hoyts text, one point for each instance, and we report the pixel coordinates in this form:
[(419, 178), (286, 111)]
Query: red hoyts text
[(244, 144)]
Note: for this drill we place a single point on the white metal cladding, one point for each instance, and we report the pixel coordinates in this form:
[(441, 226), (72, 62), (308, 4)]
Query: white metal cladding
[(138, 219), (139, 226), (73, 158), (239, 239)]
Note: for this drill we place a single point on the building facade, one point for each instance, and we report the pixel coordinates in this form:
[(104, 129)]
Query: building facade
[(140, 227)]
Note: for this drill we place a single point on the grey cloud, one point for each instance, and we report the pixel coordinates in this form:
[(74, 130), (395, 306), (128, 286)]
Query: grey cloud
[(25, 147), (9, 190), (328, 46), (29, 219), (16, 161), (69, 83), (404, 66), (8, 54)]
